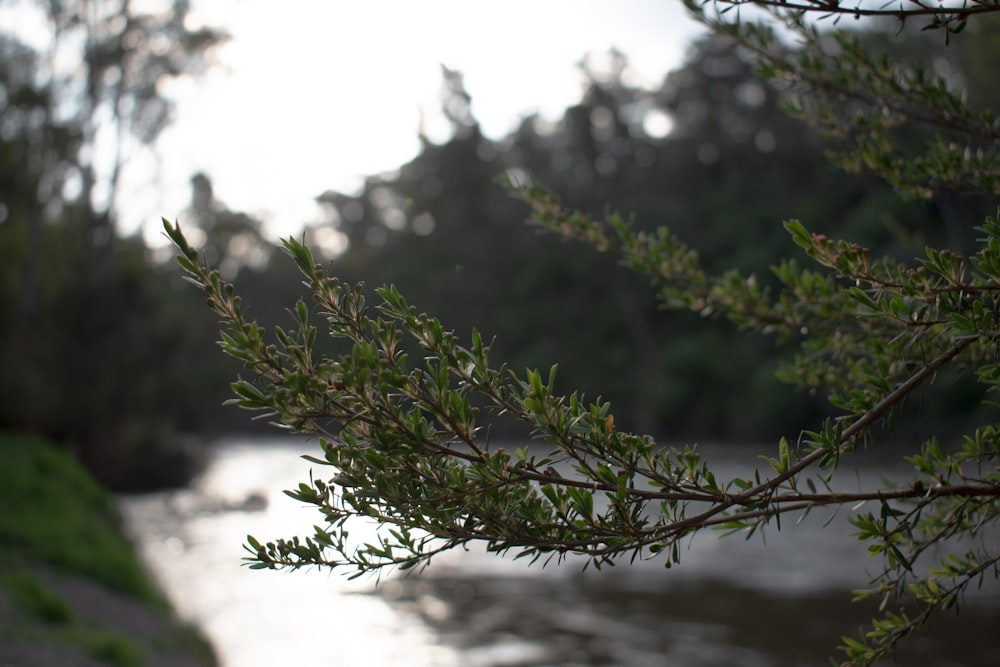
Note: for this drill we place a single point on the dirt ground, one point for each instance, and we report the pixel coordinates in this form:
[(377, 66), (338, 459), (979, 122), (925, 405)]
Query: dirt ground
[(107, 629)]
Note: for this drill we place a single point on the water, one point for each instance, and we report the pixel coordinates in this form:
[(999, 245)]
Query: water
[(730, 602)]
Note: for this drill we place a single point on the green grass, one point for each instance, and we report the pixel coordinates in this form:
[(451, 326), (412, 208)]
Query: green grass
[(113, 649), (56, 515), (35, 600)]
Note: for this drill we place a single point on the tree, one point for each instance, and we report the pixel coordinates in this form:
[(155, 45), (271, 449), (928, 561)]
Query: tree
[(122, 53), (444, 227), (233, 239), (404, 417), (91, 332)]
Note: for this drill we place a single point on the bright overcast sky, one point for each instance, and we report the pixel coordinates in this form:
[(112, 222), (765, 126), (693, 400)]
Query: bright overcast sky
[(313, 95)]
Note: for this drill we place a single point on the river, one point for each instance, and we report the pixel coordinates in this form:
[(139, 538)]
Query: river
[(731, 602)]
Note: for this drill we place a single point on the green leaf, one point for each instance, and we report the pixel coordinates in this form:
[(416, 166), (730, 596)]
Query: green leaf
[(800, 235)]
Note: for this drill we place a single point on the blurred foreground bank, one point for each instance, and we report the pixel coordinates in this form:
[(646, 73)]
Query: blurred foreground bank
[(72, 591)]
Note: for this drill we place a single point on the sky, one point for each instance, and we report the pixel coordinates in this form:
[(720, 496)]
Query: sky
[(309, 95)]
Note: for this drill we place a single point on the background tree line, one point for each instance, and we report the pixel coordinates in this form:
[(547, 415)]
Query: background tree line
[(442, 228), (103, 351)]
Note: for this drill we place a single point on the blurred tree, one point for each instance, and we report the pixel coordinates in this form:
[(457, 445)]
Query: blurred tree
[(680, 153), (90, 334), (103, 71), (467, 256), (232, 239)]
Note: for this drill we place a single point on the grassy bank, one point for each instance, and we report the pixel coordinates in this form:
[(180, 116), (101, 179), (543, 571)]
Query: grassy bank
[(72, 589)]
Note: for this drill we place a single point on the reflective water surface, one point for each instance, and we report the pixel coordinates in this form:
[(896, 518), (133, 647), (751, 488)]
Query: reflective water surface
[(730, 602)]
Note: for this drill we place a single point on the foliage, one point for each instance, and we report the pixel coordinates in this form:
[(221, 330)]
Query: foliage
[(93, 337), (867, 99), (56, 515), (114, 649), (60, 526), (446, 229), (951, 17), (98, 362), (61, 624), (34, 598), (110, 101), (404, 416)]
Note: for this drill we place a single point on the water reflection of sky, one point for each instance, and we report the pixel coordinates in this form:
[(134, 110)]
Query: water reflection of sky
[(730, 602)]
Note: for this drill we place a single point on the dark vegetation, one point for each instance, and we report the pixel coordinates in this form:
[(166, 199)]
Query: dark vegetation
[(105, 352), (56, 515), (71, 584), (95, 345)]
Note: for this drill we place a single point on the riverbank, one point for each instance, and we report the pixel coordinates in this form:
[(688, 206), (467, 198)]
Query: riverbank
[(72, 589)]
